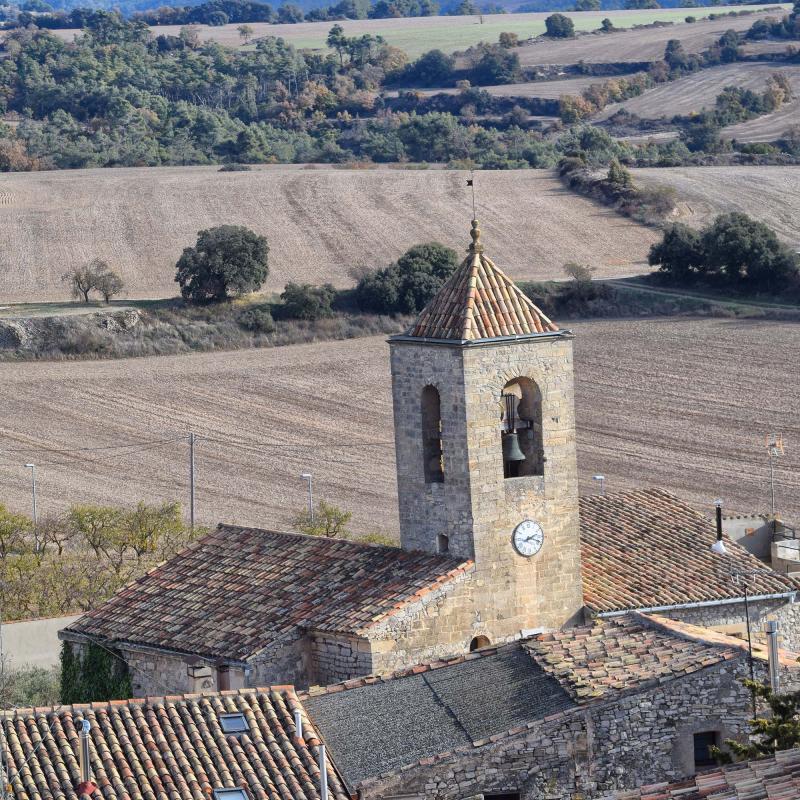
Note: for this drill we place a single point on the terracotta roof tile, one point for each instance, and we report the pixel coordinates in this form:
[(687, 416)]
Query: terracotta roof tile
[(646, 549), (627, 653), (478, 301), (776, 778), (168, 747), (239, 590)]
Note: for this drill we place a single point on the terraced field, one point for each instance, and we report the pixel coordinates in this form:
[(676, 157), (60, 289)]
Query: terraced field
[(639, 45), (771, 194), (679, 403), (417, 34), (700, 90), (546, 89), (320, 223)]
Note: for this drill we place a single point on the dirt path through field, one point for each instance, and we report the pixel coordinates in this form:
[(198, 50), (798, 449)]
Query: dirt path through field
[(681, 403)]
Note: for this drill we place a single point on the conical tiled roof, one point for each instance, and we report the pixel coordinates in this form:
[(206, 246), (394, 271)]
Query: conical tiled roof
[(479, 302)]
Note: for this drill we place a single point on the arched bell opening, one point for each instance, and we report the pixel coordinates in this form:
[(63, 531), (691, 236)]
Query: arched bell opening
[(432, 455), (521, 429)]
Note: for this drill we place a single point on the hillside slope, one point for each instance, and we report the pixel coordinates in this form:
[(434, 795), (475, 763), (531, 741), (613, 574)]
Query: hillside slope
[(321, 223), (770, 194)]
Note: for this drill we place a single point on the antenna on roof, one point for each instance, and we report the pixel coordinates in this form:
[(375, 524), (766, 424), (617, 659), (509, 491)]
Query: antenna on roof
[(471, 183)]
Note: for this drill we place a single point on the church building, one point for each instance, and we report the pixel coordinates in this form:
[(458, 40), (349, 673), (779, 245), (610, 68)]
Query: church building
[(491, 540)]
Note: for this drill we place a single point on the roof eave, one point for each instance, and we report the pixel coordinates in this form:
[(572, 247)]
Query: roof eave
[(723, 601), (407, 338)]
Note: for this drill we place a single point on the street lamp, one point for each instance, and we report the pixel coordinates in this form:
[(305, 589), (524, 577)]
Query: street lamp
[(32, 468), (601, 479), (307, 476)]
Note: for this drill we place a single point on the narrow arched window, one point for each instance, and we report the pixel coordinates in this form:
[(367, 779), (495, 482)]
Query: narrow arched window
[(432, 435), (521, 429), (478, 642)]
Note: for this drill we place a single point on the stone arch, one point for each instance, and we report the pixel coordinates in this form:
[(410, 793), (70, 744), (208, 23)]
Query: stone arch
[(521, 429), (432, 454), (479, 642)]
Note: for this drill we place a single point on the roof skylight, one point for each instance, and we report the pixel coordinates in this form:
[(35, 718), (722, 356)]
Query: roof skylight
[(232, 725)]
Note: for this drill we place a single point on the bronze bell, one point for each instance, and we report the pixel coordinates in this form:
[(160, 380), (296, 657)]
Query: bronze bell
[(511, 448)]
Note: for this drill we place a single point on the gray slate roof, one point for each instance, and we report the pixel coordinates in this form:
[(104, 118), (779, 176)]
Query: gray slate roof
[(385, 725)]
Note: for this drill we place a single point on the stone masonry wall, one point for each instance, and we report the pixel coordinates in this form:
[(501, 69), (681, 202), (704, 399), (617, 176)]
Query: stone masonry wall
[(339, 658), (786, 614), (638, 739), (475, 506)]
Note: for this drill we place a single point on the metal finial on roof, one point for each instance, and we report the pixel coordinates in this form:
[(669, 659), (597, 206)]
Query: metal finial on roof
[(475, 233)]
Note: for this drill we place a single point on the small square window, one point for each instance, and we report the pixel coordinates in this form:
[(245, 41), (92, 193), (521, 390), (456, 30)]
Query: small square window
[(230, 794), (703, 742), (233, 724)]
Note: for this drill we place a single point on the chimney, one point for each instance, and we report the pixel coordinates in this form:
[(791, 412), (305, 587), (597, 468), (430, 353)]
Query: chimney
[(85, 787), (201, 677), (719, 546), (772, 646), (323, 774), (298, 723)]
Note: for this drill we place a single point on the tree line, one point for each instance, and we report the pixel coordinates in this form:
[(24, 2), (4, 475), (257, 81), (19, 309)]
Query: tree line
[(74, 561)]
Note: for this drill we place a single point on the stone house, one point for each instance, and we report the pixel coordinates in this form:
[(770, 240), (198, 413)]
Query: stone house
[(646, 550), (495, 544), (626, 701)]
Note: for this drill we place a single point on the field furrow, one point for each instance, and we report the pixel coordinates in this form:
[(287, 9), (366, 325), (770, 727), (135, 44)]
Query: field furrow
[(680, 403), (320, 223)]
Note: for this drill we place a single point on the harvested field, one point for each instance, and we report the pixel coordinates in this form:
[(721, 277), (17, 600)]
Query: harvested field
[(771, 194), (679, 403), (321, 223), (641, 45), (549, 90), (699, 91), (768, 128), (415, 35)]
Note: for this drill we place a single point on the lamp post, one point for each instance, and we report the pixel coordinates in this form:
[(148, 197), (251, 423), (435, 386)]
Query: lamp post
[(601, 479), (32, 468), (307, 476)]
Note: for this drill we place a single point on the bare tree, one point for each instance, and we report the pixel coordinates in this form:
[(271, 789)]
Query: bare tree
[(80, 281)]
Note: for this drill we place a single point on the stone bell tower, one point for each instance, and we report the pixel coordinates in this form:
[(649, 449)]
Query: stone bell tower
[(485, 438)]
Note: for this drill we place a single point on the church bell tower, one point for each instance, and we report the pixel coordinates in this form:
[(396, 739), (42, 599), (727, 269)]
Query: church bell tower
[(485, 438)]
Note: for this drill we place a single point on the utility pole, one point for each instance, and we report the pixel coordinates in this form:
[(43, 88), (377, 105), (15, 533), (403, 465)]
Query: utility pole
[(307, 476), (775, 449), (191, 481), (32, 468)]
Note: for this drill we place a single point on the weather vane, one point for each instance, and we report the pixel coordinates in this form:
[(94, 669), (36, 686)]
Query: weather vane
[(471, 183)]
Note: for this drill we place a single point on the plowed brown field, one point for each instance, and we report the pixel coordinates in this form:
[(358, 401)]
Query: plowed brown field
[(699, 91), (770, 194), (631, 45), (320, 222), (684, 404)]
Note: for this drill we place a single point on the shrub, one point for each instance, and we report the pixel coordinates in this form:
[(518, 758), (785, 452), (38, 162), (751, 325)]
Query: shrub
[(327, 520), (304, 301), (407, 286), (559, 26), (235, 168), (508, 40), (31, 686), (257, 319), (226, 259)]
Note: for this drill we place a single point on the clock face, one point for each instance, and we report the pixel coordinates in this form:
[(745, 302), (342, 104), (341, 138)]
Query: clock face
[(528, 538)]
